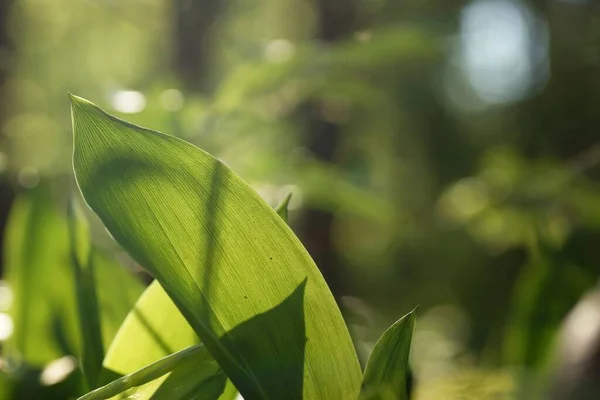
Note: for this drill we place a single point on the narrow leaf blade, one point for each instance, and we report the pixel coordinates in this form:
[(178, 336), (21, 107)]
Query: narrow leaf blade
[(386, 374), (82, 260), (189, 373), (282, 208)]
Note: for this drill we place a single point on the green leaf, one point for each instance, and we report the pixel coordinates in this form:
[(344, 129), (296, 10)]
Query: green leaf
[(386, 374), (153, 329), (282, 208), (41, 280), (189, 373), (82, 260), (546, 289), (234, 269)]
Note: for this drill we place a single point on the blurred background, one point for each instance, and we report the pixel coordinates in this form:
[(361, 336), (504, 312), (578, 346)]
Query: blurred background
[(441, 153)]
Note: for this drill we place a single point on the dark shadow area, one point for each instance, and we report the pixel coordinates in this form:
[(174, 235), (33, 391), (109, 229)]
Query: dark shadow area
[(171, 388), (271, 342), (211, 216)]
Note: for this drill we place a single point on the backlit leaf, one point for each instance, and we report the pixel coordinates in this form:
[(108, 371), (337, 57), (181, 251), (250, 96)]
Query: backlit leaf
[(282, 208), (154, 329), (386, 373), (231, 265)]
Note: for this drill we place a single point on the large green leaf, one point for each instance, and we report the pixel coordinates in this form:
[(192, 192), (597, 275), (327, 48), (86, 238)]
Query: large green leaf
[(234, 269), (188, 374), (39, 274), (386, 374), (154, 329)]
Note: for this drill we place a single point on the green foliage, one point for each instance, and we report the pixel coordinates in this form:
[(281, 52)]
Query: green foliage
[(37, 305), (231, 265)]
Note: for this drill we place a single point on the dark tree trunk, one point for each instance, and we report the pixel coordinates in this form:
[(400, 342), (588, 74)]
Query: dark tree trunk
[(6, 60), (337, 21), (193, 20)]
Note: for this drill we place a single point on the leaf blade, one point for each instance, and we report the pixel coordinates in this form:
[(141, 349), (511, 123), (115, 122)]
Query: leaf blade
[(387, 368), (154, 329), (37, 306), (282, 207), (208, 235), (189, 373), (82, 261)]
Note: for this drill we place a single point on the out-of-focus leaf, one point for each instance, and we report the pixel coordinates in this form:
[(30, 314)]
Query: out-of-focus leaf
[(386, 373), (188, 374), (231, 265), (474, 384), (282, 208), (82, 260), (39, 274), (546, 289)]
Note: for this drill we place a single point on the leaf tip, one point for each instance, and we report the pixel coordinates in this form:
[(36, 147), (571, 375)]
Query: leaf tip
[(412, 316), (78, 101), (286, 200), (282, 207)]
